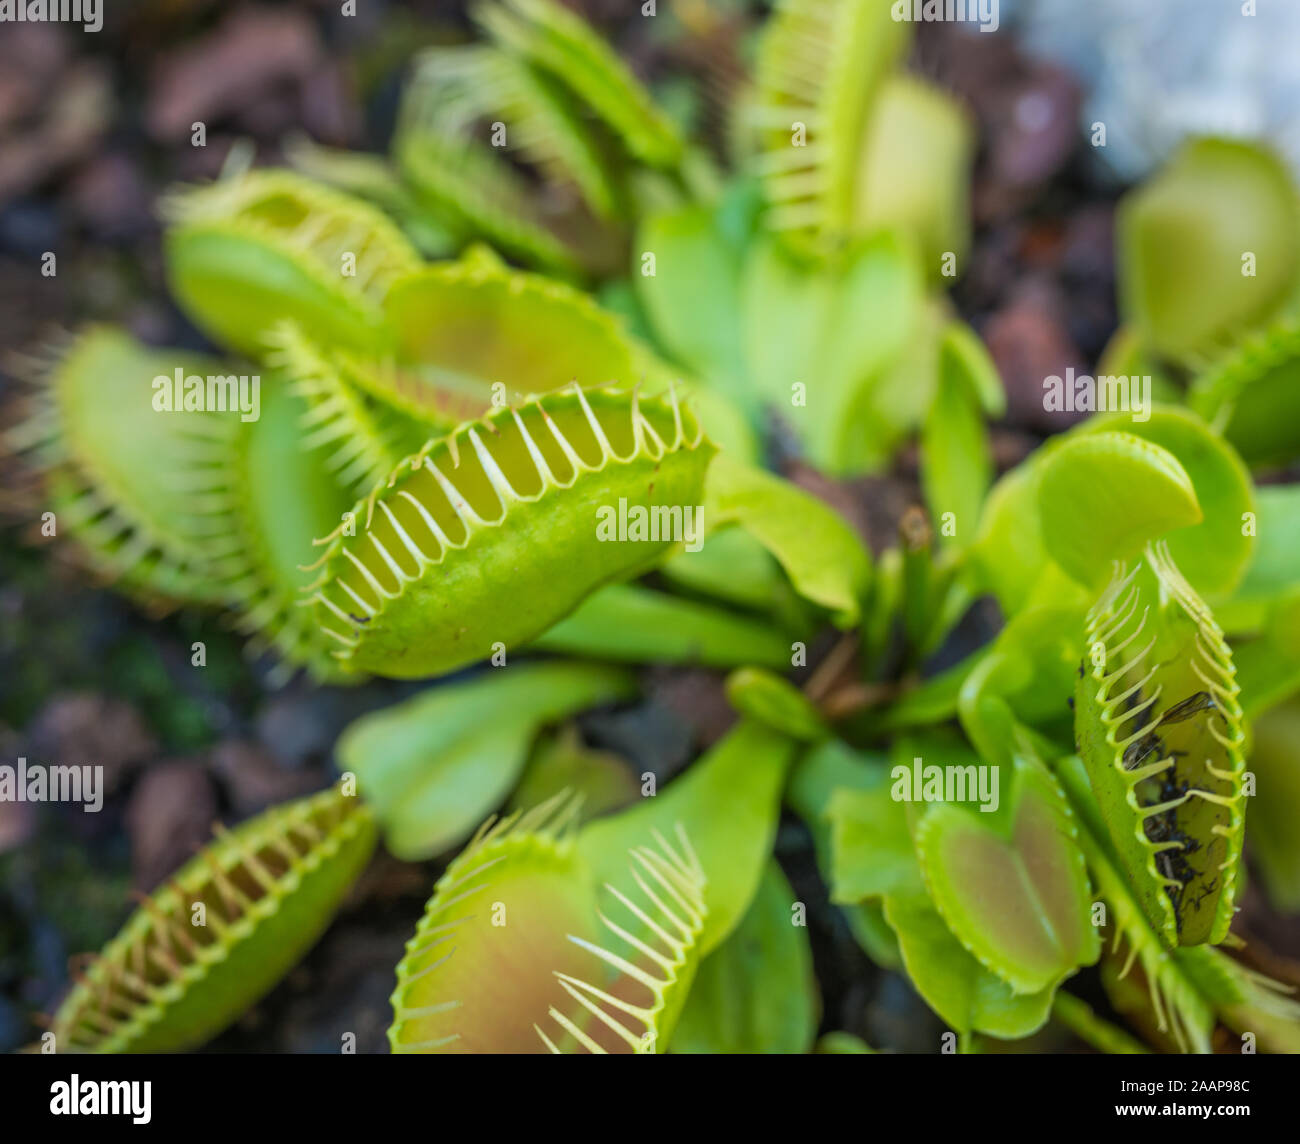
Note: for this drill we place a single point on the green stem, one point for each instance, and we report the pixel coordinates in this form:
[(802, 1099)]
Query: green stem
[(1079, 1018)]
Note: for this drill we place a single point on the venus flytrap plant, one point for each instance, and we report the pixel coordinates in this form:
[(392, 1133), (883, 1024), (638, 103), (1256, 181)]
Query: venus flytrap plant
[(1248, 394), (454, 436), (249, 251), (365, 436), (669, 917), (870, 858), (1208, 248), (413, 592), (820, 64), (565, 46), (221, 932), (457, 180), (274, 498), (466, 336), (130, 509), (374, 179), (1160, 730), (546, 71), (457, 89), (575, 979)]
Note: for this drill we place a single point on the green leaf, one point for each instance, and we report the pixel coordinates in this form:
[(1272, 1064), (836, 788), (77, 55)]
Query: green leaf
[(1031, 665), (820, 776), (822, 555), (731, 566), (842, 1043), (965, 994), (435, 765), (934, 700), (1268, 666), (727, 803), (1008, 557), (956, 462), (770, 699), (836, 329), (563, 762), (871, 846), (1214, 554), (692, 298), (1014, 893), (1182, 237), (1102, 496), (1274, 571), (816, 778), (1274, 842), (1250, 395), (631, 624), (756, 992), (914, 170)]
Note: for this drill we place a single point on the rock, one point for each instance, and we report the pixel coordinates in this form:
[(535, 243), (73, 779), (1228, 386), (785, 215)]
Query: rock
[(1037, 128), (76, 111), (1029, 341), (109, 196), (169, 817), (697, 697), (650, 735), (252, 780), (251, 52), (88, 729), (298, 725), (31, 57)]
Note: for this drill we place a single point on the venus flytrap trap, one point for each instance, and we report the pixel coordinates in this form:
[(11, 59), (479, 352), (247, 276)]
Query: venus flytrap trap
[(131, 511), (1208, 248), (534, 92), (565, 46), (820, 65), (464, 335), (274, 498), (1160, 731), (581, 971), (257, 248), (221, 932), (456, 89), (1248, 394), (414, 592)]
